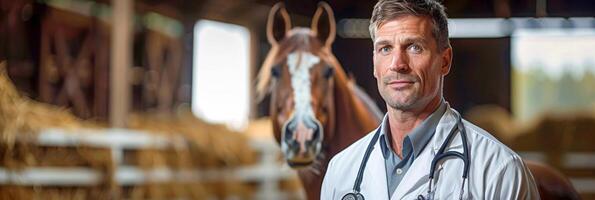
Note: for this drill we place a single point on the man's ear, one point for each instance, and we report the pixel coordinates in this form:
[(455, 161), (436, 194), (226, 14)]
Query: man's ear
[(375, 76), (374, 65), (446, 61)]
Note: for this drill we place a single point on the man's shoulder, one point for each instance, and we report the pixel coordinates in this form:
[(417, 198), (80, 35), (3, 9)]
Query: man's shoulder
[(483, 144), (479, 136), (498, 167)]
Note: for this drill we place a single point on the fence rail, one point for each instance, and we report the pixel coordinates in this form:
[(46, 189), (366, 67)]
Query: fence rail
[(267, 172)]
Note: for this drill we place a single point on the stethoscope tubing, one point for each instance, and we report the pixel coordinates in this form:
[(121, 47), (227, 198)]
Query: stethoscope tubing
[(440, 155)]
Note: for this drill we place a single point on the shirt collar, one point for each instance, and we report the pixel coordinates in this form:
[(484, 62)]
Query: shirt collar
[(419, 136)]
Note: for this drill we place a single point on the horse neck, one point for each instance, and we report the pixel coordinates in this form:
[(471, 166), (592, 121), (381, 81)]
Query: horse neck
[(352, 119)]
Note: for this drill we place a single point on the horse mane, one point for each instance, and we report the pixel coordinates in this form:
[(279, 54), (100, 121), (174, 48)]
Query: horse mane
[(366, 100)]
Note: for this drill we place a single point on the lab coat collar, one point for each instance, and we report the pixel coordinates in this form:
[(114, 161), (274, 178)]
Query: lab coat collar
[(374, 181), (447, 122)]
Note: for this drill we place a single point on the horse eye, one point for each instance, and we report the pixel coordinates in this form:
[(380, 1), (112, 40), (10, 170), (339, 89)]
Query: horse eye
[(328, 72), (276, 71)]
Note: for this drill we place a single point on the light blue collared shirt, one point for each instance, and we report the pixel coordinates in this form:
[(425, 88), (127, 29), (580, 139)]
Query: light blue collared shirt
[(413, 144)]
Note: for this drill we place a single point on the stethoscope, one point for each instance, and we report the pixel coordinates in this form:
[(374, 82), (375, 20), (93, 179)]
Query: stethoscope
[(440, 155)]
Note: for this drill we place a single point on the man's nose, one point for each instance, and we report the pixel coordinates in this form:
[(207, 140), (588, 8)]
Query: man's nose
[(400, 61)]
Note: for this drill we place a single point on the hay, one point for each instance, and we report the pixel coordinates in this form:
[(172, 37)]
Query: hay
[(52, 193), (495, 119), (260, 129), (218, 145), (23, 118), (20, 115), (208, 147), (166, 191), (20, 121)]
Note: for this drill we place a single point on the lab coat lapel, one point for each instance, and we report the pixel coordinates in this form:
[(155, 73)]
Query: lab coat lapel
[(374, 183), (418, 174)]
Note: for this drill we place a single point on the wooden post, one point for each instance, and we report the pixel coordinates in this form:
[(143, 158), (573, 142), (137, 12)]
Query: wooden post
[(121, 61)]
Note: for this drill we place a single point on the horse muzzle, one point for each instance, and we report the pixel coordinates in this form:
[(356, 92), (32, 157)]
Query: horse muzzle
[(301, 141)]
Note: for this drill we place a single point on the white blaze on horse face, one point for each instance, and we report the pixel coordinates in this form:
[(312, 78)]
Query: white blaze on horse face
[(300, 64)]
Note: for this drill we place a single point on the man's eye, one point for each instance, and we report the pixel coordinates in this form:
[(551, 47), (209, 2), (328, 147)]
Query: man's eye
[(415, 48), (384, 50)]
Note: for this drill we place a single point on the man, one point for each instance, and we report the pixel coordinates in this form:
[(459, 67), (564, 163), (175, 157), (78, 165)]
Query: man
[(412, 54)]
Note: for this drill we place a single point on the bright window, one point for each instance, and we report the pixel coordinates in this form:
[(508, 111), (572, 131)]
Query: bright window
[(553, 71), (221, 82)]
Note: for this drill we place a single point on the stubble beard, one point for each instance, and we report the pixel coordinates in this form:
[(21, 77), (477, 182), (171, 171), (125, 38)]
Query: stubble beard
[(406, 104)]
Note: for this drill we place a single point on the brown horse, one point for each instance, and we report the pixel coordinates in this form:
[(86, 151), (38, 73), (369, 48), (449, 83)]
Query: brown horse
[(316, 110), (551, 183)]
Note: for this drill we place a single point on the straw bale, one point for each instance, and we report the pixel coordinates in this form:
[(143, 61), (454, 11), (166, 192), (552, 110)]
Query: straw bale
[(20, 115), (564, 130), (20, 120), (213, 190), (260, 129), (211, 145), (292, 185), (9, 192), (494, 119), (32, 155)]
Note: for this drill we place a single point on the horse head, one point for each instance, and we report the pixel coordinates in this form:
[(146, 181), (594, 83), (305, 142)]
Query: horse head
[(299, 73)]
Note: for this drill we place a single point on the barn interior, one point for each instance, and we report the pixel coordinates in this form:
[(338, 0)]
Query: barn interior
[(153, 99)]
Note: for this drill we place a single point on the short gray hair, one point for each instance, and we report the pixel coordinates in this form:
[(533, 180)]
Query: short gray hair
[(386, 10)]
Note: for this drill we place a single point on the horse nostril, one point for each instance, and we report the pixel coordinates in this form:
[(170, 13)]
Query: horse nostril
[(288, 133), (315, 133), (302, 137)]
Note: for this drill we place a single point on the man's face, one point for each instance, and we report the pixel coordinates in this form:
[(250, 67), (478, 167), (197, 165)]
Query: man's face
[(408, 65)]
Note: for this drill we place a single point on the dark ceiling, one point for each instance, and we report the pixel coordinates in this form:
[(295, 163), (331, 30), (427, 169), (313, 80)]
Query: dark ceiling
[(193, 9), (458, 8)]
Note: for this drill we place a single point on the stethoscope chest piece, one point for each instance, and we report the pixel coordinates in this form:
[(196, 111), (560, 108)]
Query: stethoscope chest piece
[(353, 196)]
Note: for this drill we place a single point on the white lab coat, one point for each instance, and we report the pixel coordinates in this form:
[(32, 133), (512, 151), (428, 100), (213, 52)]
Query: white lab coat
[(496, 172)]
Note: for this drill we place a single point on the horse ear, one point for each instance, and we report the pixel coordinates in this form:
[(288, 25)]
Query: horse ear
[(328, 36), (274, 35)]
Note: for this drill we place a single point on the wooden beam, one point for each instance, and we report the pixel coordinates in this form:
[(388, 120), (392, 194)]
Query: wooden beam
[(121, 61)]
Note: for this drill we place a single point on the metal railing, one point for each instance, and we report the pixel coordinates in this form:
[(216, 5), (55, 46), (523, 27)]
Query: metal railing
[(268, 172)]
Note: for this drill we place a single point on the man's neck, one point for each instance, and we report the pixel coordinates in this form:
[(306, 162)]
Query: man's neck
[(402, 122)]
